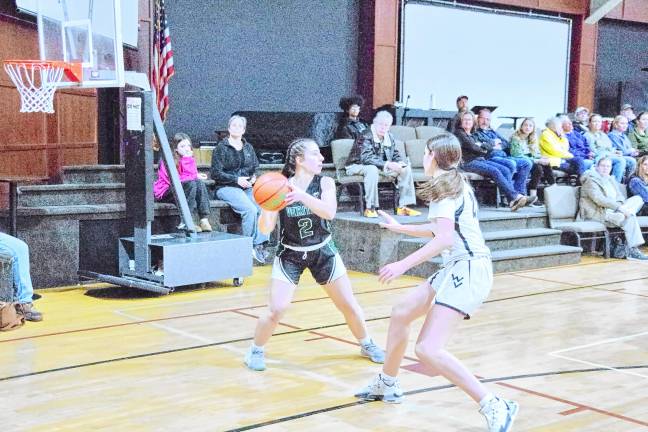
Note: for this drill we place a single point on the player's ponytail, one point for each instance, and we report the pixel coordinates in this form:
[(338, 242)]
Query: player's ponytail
[(295, 149), (447, 154)]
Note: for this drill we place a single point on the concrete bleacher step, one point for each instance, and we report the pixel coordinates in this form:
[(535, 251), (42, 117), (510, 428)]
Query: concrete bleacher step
[(93, 174), (512, 260), (497, 240), (70, 194)]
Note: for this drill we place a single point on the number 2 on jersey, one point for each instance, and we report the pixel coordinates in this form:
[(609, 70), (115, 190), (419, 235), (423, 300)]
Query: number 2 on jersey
[(305, 227)]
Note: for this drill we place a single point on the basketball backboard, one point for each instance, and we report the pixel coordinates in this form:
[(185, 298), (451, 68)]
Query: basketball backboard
[(82, 31)]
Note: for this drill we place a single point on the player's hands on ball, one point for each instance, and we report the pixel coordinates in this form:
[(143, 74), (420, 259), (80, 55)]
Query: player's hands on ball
[(296, 194), (391, 271)]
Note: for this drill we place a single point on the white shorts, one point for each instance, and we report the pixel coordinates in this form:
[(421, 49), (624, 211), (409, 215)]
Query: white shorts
[(463, 285)]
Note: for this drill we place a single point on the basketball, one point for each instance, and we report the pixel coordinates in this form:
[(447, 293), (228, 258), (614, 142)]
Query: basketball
[(270, 190)]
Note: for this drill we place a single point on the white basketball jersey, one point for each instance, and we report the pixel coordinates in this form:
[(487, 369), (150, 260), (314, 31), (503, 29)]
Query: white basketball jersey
[(468, 239)]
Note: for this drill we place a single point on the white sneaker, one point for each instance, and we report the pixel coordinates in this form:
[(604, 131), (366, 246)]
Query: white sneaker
[(373, 352), (379, 390), (500, 414), (255, 359)]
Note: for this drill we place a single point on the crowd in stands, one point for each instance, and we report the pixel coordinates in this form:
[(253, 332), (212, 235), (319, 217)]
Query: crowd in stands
[(570, 145)]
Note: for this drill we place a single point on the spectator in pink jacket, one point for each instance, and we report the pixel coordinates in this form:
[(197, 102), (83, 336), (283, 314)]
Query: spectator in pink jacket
[(192, 181)]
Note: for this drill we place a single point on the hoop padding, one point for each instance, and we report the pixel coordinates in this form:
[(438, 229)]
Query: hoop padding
[(36, 82)]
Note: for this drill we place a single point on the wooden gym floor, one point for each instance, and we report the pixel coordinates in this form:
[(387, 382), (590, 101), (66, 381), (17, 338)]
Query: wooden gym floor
[(570, 344)]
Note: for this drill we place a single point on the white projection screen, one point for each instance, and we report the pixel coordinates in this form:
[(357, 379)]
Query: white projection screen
[(517, 62)]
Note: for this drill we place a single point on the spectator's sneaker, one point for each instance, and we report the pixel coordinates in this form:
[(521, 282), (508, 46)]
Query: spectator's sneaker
[(634, 254), (500, 414), (518, 203), (370, 213), (379, 390), (27, 310), (373, 352), (258, 254), (531, 200), (204, 225), (255, 359), (406, 211)]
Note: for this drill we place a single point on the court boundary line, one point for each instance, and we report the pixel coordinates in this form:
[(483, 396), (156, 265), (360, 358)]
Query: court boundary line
[(558, 353), (498, 380)]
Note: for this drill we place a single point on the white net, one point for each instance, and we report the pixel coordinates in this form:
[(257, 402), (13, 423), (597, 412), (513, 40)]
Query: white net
[(36, 82)]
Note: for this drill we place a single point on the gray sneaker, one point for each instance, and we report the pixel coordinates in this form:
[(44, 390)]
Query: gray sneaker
[(634, 254), (255, 359), (373, 352), (379, 390), (259, 254)]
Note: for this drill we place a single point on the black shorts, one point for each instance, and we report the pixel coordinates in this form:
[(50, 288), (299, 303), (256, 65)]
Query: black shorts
[(324, 264)]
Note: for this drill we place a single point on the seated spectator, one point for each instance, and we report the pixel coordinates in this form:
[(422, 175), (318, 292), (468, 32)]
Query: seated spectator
[(23, 289), (639, 136), (602, 201), (519, 166), (474, 160), (578, 145), (233, 168), (462, 107), (524, 143), (555, 147), (627, 111), (581, 120), (638, 183), (601, 145), (622, 143), (374, 151), (192, 181), (351, 126)]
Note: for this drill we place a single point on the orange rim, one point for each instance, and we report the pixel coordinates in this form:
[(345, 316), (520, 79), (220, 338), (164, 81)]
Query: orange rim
[(72, 70)]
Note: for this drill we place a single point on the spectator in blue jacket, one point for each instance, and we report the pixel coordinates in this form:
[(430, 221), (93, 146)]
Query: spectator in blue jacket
[(627, 111), (578, 145), (638, 184), (520, 166), (622, 143)]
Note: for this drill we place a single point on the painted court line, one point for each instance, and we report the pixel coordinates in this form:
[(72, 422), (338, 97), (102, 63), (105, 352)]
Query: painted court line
[(241, 352), (558, 354)]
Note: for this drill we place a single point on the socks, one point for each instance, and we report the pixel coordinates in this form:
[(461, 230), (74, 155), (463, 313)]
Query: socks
[(366, 341), (486, 399), (388, 380)]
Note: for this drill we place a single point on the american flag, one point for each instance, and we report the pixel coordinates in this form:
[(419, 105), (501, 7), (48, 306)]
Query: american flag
[(162, 68)]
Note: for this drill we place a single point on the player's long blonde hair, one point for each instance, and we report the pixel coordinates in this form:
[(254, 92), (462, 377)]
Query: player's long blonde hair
[(447, 154)]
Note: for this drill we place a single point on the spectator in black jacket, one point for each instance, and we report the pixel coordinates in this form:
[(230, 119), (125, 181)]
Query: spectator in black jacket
[(474, 160), (351, 126), (375, 151), (233, 168)]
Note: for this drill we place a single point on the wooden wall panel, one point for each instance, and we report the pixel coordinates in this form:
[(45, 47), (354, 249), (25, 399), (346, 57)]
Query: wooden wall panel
[(635, 10), (385, 51)]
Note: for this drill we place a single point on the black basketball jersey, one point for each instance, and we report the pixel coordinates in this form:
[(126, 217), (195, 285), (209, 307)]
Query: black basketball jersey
[(299, 225)]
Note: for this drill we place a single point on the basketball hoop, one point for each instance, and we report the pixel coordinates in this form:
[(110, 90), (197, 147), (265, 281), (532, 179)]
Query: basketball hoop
[(37, 80)]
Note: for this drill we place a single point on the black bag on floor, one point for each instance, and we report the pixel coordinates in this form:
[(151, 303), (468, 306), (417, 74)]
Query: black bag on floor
[(618, 247)]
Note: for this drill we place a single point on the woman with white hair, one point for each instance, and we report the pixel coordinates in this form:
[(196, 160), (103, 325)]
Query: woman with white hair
[(555, 146)]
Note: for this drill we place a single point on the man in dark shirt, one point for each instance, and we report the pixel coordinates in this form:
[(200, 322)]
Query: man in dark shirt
[(350, 125), (578, 145), (462, 107)]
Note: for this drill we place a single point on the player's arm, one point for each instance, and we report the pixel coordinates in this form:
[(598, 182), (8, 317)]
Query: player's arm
[(420, 230), (324, 207), (267, 221), (442, 240)]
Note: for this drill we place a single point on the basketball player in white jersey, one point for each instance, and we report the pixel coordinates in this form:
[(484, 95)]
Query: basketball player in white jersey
[(453, 293)]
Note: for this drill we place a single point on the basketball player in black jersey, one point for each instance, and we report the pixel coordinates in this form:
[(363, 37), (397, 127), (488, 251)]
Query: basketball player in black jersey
[(305, 242)]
